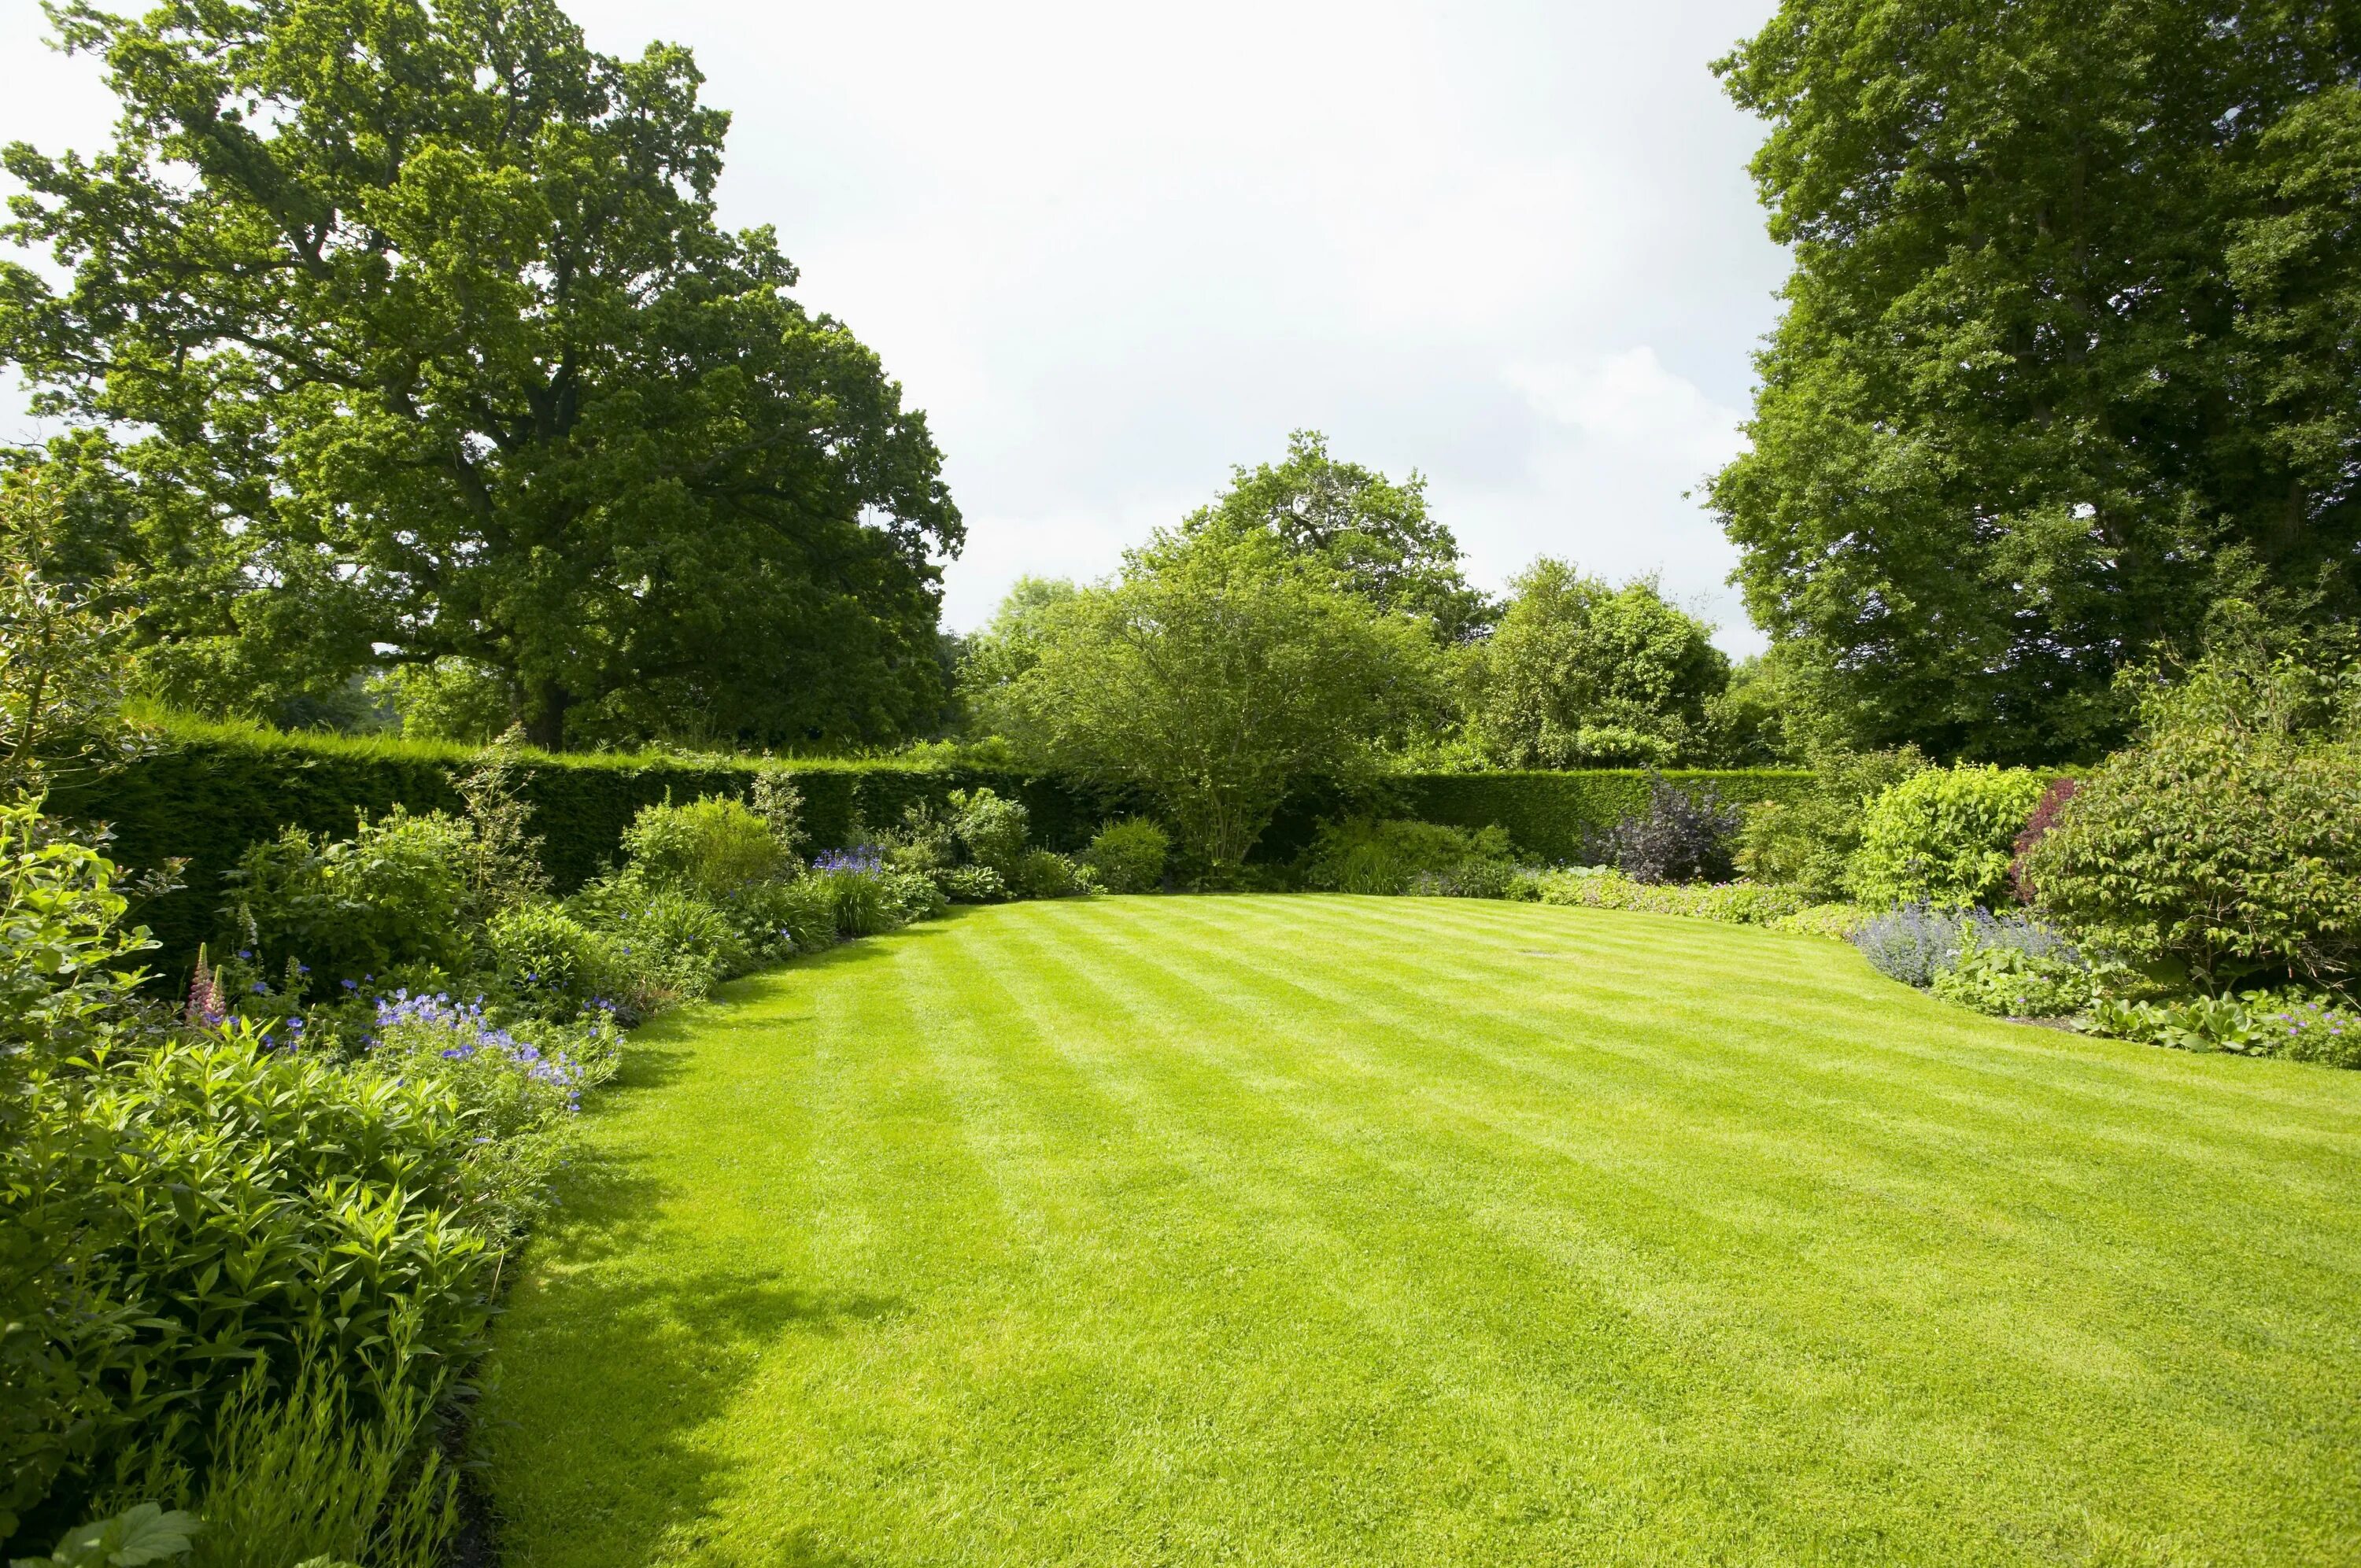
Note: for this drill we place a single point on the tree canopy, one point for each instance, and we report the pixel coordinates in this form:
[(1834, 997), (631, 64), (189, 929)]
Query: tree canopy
[(399, 332), (2067, 356), (1582, 675), (1218, 668), (1374, 535)]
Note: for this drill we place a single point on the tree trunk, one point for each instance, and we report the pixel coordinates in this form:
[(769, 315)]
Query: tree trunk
[(545, 703)]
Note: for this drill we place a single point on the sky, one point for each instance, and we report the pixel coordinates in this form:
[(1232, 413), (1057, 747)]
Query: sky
[(1112, 251)]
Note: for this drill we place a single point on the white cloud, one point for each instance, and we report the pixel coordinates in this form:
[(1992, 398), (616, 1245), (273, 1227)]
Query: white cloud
[(1113, 250)]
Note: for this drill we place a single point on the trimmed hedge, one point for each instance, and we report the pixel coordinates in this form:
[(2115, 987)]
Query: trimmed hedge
[(1549, 816), (212, 789)]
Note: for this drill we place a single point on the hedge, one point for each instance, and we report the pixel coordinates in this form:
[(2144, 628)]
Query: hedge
[(210, 790)]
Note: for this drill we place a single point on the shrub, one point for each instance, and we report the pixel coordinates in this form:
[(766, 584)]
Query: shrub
[(322, 1197), (1363, 855), (1682, 836), (1736, 903), (863, 901), (972, 884), (1912, 944), (394, 894), (311, 1474), (1944, 836), (552, 965), (1129, 856), (2302, 1027), (712, 849), (2012, 982), (779, 918), (2037, 828), (991, 829), (1805, 840), (1042, 874), (675, 942), (2219, 858)]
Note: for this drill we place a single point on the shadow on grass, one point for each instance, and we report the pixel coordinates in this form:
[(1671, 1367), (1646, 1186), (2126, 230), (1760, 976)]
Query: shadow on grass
[(611, 1378)]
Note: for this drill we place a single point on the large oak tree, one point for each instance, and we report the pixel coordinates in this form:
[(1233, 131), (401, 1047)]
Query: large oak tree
[(395, 331), (2068, 354)]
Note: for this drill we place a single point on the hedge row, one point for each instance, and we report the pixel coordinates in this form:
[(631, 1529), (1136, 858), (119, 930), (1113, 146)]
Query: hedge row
[(212, 790)]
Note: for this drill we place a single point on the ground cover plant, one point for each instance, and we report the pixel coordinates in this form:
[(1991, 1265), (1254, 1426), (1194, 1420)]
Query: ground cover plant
[(1357, 1230)]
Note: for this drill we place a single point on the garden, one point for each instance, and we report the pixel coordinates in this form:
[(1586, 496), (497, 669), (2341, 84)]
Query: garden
[(550, 1014)]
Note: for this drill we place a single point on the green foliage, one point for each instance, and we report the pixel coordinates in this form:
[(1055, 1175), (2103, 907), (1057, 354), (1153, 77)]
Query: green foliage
[(1372, 536), (1582, 676), (393, 897), (1734, 904), (1806, 840), (990, 830), (1946, 836), (1129, 856), (714, 849), (62, 649), (142, 1534), (2011, 982), (1362, 854), (1556, 816), (2214, 855), (228, 1200), (552, 965), (2300, 1026), (1044, 873), (447, 699), (212, 790), (2065, 357), (445, 351), (681, 945), (308, 1471), (1219, 670)]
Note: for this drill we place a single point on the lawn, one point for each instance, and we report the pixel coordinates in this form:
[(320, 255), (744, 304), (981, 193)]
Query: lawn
[(1301, 1230)]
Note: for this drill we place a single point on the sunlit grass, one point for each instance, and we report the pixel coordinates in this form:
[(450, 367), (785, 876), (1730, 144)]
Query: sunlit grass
[(1341, 1231)]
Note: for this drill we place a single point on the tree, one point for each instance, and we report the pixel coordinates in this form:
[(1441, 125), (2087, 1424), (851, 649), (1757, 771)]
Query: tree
[(1373, 534), (61, 683), (403, 332), (2065, 357), (1219, 668), (1581, 675)]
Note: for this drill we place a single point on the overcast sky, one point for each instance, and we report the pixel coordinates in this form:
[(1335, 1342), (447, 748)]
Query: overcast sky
[(1111, 251)]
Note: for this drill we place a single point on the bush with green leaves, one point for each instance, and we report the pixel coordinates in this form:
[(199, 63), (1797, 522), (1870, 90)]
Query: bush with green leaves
[(2297, 1026), (1044, 874), (1369, 855), (393, 897), (2213, 858), (1732, 903), (551, 965), (2014, 981), (1945, 837), (1807, 840), (990, 830), (713, 849), (1129, 856), (328, 1201)]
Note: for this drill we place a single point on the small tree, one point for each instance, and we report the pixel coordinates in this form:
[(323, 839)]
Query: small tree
[(61, 682), (1582, 674), (1219, 668)]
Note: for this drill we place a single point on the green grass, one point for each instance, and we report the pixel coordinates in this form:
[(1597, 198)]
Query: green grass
[(1397, 1230)]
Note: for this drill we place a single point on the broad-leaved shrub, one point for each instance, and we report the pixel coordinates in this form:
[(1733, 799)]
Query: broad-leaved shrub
[(1129, 856), (1945, 837)]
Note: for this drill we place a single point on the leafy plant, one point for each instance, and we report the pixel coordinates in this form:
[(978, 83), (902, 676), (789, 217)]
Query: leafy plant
[(1363, 854), (1129, 856), (2214, 856), (1946, 836), (397, 893), (1682, 836), (552, 965), (711, 849), (1807, 841), (144, 1533), (2012, 982), (990, 830), (2037, 828)]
